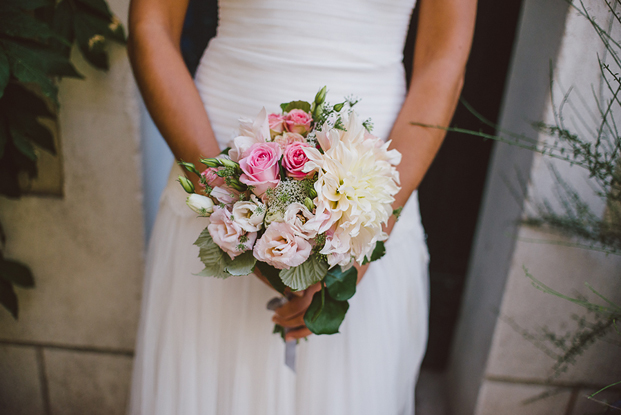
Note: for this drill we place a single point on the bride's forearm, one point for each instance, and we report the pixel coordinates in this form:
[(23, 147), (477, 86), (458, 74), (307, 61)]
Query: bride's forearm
[(166, 85), (443, 41)]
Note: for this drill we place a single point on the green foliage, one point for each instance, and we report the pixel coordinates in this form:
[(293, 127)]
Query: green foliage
[(303, 276), (325, 314), (296, 105), (273, 276), (341, 284), (36, 37), (378, 252)]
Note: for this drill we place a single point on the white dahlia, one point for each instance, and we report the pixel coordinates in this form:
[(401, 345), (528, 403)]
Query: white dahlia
[(356, 185)]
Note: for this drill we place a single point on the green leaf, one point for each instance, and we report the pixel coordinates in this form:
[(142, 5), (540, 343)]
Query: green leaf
[(8, 298), (211, 256), (91, 42), (378, 252), (4, 136), (243, 264), (5, 72), (341, 284), (62, 23), (16, 273), (22, 143), (19, 99), (296, 105), (303, 276), (272, 275), (325, 314), (280, 330), (37, 133), (28, 4), (99, 6), (20, 24)]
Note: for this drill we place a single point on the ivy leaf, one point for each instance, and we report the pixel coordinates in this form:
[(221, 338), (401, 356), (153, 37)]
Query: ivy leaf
[(272, 275), (296, 105), (16, 273), (211, 256), (325, 314), (22, 143), (19, 24), (341, 284), (5, 72), (303, 276), (243, 264), (8, 298), (378, 252)]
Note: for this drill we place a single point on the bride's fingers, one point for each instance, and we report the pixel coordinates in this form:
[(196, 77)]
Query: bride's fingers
[(289, 323), (297, 334)]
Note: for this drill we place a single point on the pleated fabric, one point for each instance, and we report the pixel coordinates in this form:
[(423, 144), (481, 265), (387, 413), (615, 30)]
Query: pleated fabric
[(205, 346)]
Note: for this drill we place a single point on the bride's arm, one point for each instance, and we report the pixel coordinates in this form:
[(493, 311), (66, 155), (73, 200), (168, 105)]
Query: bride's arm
[(443, 40), (164, 80)]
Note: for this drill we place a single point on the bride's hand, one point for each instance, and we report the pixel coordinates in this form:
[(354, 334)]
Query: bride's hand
[(291, 315)]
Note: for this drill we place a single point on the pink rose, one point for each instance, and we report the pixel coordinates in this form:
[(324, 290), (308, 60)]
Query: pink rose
[(281, 247), (276, 123), (298, 121), (260, 167), (225, 195), (288, 138), (212, 179), (228, 235), (294, 160)]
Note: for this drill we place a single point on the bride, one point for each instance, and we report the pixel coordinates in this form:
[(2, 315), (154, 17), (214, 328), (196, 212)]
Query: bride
[(205, 345)]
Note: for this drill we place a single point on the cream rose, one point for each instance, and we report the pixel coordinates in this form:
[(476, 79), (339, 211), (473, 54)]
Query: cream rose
[(299, 217), (281, 247), (249, 214)]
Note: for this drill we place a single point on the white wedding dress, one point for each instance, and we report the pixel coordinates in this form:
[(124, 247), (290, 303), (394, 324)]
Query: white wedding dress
[(205, 345)]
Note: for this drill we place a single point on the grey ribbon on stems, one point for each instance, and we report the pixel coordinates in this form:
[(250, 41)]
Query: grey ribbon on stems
[(273, 305)]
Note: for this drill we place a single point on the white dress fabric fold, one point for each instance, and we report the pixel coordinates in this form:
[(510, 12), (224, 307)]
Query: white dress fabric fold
[(205, 346)]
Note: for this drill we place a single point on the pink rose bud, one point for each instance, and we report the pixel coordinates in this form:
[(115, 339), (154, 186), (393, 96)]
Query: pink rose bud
[(294, 160), (276, 123), (260, 167), (298, 121), (212, 179)]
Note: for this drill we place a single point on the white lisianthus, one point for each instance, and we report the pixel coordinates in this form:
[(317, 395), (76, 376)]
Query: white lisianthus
[(357, 181), (200, 204), (298, 216), (249, 214)]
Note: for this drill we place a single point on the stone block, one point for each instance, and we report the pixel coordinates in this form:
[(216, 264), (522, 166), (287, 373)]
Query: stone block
[(528, 310), (87, 383), (20, 387), (503, 398)]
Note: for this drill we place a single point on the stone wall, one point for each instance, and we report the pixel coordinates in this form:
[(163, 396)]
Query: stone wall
[(71, 350), (495, 367)]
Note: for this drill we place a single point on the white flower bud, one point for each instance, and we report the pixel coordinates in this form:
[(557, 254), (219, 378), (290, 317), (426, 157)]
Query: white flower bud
[(200, 204)]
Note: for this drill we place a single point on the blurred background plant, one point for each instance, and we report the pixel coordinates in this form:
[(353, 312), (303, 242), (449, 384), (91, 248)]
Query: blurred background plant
[(36, 41), (592, 142)]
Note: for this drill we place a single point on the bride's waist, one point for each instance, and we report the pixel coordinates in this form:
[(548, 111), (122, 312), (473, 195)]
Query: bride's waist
[(311, 54)]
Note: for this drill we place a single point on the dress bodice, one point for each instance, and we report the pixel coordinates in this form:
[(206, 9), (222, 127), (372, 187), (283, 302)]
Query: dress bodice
[(324, 33)]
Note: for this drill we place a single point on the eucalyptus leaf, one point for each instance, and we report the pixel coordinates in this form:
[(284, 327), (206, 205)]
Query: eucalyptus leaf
[(325, 314), (8, 298), (243, 264), (5, 72), (303, 276), (272, 275), (16, 273), (296, 105), (341, 284)]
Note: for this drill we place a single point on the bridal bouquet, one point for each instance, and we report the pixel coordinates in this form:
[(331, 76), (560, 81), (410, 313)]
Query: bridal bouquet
[(300, 195)]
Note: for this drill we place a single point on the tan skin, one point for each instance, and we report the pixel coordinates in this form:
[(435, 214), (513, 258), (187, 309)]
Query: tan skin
[(443, 41)]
